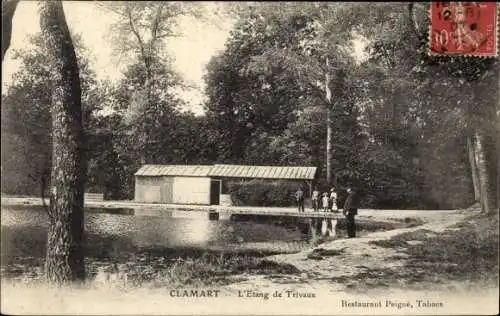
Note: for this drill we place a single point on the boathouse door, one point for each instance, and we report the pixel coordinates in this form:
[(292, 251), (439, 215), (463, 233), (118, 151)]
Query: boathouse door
[(214, 192)]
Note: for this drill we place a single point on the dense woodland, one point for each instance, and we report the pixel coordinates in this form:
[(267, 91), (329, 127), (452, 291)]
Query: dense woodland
[(286, 90)]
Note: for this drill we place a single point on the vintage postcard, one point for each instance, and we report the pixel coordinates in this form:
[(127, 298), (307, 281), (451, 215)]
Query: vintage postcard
[(250, 158)]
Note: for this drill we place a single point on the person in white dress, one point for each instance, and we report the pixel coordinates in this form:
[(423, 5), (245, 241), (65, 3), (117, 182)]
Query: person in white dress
[(333, 200), (325, 202), (315, 200)]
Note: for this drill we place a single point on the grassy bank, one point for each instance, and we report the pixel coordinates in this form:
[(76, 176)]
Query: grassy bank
[(211, 269), (163, 268)]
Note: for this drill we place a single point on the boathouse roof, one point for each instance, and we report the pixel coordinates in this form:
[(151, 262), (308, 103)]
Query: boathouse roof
[(230, 171), (174, 170)]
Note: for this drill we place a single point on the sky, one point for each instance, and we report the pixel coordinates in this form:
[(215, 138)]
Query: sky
[(191, 52)]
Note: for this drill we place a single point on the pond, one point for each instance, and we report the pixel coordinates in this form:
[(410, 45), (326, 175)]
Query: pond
[(120, 236), (175, 246)]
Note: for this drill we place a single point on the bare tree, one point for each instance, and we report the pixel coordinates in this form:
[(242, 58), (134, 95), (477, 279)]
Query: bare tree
[(64, 258), (140, 33)]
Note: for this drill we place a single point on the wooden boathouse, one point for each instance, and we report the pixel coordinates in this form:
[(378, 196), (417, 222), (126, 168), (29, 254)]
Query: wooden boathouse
[(206, 184)]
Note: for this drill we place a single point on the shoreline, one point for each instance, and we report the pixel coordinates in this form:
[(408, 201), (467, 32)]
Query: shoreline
[(253, 210)]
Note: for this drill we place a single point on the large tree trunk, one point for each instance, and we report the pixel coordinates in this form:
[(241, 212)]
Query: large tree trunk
[(8, 9), (64, 258), (486, 160), (483, 118), (473, 168), (328, 98), (498, 157), (498, 133)]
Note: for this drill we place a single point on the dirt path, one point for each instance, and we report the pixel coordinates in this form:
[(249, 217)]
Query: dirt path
[(326, 264)]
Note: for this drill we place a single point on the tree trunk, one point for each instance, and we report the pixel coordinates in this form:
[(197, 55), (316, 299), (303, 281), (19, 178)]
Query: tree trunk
[(8, 10), (147, 155), (498, 161), (328, 97), (484, 119), (498, 158), (473, 167), (329, 145), (485, 148), (498, 133), (64, 258)]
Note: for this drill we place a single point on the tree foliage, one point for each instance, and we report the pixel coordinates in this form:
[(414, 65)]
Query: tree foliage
[(400, 140), (26, 158), (289, 88)]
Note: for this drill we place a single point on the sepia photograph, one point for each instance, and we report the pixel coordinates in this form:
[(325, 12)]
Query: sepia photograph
[(250, 158)]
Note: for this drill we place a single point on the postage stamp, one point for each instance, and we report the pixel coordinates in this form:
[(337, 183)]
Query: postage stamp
[(463, 29)]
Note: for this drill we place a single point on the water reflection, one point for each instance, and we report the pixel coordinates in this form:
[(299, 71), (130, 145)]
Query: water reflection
[(119, 236), (198, 231)]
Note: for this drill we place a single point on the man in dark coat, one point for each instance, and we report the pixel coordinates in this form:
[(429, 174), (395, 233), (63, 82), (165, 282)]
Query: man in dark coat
[(350, 210)]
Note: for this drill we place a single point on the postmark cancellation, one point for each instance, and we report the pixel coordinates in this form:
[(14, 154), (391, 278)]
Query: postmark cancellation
[(467, 29)]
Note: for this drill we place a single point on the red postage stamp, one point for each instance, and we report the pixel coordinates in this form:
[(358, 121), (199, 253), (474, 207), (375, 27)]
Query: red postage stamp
[(463, 29)]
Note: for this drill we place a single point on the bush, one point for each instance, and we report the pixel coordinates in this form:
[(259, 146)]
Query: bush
[(263, 193)]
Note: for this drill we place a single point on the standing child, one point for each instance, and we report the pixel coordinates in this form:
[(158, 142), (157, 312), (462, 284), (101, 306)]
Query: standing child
[(315, 199), (325, 202), (333, 200)]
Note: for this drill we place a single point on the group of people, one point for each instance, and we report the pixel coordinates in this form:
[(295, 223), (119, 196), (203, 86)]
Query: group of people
[(331, 203), (328, 201)]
